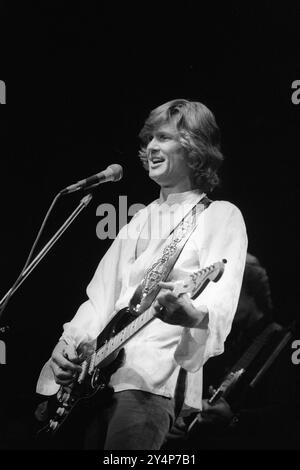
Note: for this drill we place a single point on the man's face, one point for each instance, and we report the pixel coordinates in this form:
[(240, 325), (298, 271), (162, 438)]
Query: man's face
[(247, 311), (166, 157)]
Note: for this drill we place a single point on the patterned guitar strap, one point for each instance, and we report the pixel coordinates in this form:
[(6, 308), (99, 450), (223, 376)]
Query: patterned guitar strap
[(148, 289)]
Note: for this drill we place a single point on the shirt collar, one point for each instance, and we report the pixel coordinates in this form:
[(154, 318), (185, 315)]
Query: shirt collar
[(186, 197)]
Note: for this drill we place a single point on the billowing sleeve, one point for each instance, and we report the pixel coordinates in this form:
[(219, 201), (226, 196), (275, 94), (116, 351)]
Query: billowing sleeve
[(105, 287), (102, 292), (92, 315), (222, 234)]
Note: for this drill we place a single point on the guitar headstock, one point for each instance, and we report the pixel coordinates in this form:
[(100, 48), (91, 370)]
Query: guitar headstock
[(197, 281)]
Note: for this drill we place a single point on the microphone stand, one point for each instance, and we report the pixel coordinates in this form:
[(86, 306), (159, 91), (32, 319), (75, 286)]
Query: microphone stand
[(24, 274)]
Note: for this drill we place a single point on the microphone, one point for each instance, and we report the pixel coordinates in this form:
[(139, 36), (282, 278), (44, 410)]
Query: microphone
[(112, 173)]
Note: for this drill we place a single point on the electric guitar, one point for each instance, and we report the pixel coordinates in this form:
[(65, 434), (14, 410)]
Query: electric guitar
[(237, 373), (98, 366)]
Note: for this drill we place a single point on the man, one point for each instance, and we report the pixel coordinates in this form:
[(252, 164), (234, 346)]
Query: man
[(265, 415), (181, 151)]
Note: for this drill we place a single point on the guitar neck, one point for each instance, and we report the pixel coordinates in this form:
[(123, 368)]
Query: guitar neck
[(123, 336), (258, 343), (238, 370), (195, 283)]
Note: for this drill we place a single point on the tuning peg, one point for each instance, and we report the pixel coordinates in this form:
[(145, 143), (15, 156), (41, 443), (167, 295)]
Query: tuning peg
[(59, 395), (65, 399), (53, 424), (60, 411)]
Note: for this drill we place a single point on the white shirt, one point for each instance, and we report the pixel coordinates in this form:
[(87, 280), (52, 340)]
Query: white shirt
[(154, 354)]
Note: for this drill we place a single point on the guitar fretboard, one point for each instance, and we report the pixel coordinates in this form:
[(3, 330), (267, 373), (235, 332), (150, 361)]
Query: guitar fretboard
[(195, 284), (255, 347), (120, 338)]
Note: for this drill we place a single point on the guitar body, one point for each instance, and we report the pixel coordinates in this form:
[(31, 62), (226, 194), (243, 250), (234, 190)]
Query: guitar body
[(60, 405)]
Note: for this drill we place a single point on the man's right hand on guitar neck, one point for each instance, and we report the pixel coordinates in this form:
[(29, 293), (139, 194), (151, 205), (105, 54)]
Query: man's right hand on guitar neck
[(64, 363)]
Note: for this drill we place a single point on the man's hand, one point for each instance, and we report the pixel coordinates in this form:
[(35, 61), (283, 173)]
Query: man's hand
[(64, 363), (178, 309), (219, 416), (219, 413)]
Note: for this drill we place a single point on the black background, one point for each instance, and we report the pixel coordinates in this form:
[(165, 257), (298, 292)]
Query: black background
[(80, 83)]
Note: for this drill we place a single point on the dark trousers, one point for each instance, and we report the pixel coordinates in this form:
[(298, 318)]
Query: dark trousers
[(134, 420)]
